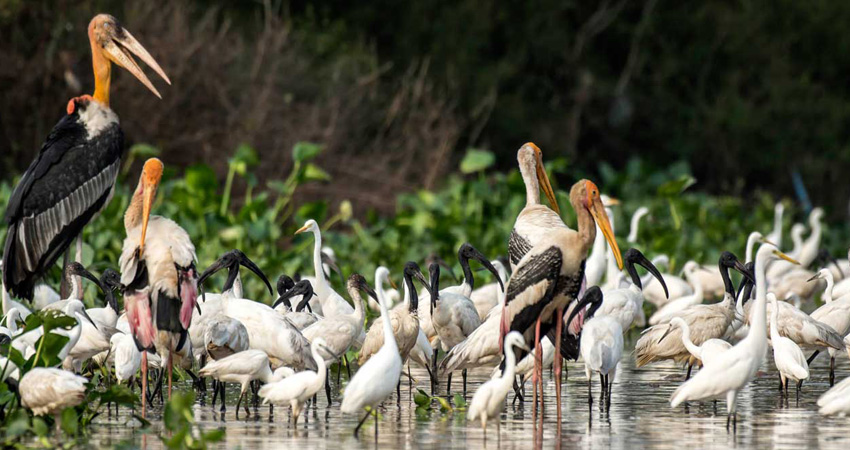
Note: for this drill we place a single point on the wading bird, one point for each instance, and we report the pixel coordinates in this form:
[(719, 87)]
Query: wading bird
[(836, 314), (601, 343), (737, 366), (375, 380), (675, 306), (549, 274), (836, 400), (404, 319), (775, 236), (787, 356), (302, 290), (706, 352), (705, 322), (489, 400), (625, 305), (243, 368), (341, 331), (158, 272), (296, 389), (49, 391), (268, 330), (635, 224), (73, 176), (332, 303)]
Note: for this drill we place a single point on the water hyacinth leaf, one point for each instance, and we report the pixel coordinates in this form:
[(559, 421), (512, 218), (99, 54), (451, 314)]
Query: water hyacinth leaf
[(675, 187), (421, 398), (69, 421), (459, 401), (17, 424), (445, 406), (303, 151), (246, 155), (39, 427), (313, 172), (200, 178), (476, 160), (52, 319), (144, 151)]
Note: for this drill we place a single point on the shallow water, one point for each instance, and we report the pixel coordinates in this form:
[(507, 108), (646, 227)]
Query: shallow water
[(640, 416)]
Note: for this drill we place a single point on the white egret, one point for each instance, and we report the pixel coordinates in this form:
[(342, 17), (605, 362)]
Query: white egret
[(489, 400), (734, 369), (706, 352), (789, 359), (775, 236), (296, 389), (49, 391), (635, 224), (375, 380), (243, 368), (836, 314)]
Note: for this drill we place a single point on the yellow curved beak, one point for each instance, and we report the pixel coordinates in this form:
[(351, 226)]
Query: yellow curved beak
[(597, 210), (543, 180)]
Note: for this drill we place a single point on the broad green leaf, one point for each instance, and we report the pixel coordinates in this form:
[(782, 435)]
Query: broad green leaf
[(476, 160), (69, 421), (675, 187), (303, 151), (313, 172), (247, 155)]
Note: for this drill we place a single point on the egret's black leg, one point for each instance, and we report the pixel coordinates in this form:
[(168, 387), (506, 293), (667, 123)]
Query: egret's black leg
[(223, 407), (239, 402), (327, 388), (831, 371), (347, 366), (690, 367), (449, 384), (464, 382), (434, 373), (215, 391), (812, 358), (357, 430)]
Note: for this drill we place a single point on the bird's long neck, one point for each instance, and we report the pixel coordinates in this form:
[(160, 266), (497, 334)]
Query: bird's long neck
[(686, 340), (133, 215), (509, 373), (532, 187), (751, 242), (758, 319), (266, 375), (695, 282), (322, 286), (379, 288), (76, 287), (586, 225), (635, 224), (320, 365), (410, 295), (830, 283), (389, 338), (468, 279), (102, 74), (777, 223), (359, 314)]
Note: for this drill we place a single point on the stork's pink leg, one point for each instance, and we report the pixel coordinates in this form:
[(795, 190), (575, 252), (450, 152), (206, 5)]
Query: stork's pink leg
[(538, 363), (559, 325), (144, 382)]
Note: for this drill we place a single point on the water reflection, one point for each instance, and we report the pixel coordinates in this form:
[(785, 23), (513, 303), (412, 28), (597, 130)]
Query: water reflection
[(639, 416)]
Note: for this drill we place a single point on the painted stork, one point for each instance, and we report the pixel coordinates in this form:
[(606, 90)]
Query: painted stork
[(158, 273), (73, 176), (550, 259)]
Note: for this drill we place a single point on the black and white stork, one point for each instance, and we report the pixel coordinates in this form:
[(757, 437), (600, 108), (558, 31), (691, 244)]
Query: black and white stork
[(549, 261), (73, 176), (158, 274)]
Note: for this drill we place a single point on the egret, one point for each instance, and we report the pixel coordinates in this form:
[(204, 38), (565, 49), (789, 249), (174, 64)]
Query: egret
[(836, 400), (375, 380), (243, 368), (734, 369), (382, 275), (835, 313), (489, 400), (73, 176), (341, 331), (789, 359), (296, 389), (332, 303), (404, 320), (706, 352), (635, 223), (775, 236), (127, 358)]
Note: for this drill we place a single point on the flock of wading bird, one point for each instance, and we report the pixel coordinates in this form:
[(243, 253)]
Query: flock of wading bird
[(554, 306)]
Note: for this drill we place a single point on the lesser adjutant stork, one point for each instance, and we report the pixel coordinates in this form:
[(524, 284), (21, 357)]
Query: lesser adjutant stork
[(548, 258), (72, 177), (158, 274)]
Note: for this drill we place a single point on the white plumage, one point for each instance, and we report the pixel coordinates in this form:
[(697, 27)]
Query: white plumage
[(49, 390), (296, 389), (489, 400)]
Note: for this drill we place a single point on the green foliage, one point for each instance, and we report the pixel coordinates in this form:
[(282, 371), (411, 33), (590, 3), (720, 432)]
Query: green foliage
[(179, 420)]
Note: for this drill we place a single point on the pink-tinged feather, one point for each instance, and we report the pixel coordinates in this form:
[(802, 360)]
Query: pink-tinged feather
[(188, 296), (140, 318)]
